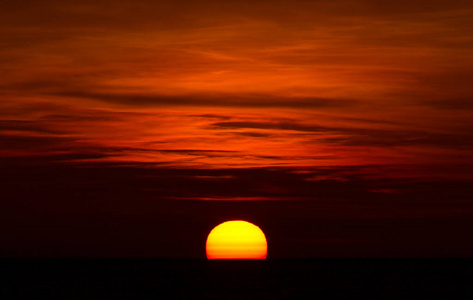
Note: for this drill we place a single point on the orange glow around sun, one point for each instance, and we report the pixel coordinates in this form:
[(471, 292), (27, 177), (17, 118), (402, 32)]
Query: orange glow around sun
[(236, 240)]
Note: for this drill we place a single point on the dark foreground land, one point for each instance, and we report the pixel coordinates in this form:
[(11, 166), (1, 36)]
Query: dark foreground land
[(236, 279)]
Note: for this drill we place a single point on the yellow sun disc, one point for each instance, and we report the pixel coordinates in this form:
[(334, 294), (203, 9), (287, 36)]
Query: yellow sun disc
[(236, 240)]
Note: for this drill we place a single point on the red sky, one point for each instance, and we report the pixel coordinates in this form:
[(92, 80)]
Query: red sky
[(359, 109)]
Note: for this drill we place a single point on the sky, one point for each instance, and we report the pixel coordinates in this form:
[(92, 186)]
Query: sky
[(132, 128)]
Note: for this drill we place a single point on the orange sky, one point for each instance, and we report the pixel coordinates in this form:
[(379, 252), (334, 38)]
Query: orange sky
[(239, 84)]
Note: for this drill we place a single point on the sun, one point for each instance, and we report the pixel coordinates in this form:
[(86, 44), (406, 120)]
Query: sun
[(236, 240)]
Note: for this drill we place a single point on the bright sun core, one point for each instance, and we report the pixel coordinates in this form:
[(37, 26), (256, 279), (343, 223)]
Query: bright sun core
[(236, 240)]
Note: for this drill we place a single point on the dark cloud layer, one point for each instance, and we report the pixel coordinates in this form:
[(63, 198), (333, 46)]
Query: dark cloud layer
[(236, 100), (362, 136), (95, 209)]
